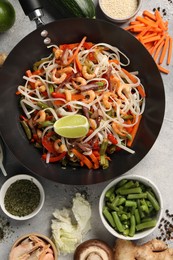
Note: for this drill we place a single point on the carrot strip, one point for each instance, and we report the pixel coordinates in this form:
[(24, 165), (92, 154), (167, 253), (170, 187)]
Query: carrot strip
[(76, 51), (77, 97), (160, 21), (150, 15), (169, 51), (151, 39), (145, 21), (83, 159), (134, 131), (164, 50), (156, 54), (163, 69), (95, 160), (79, 65)]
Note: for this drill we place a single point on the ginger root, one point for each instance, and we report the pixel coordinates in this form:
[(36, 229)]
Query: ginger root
[(152, 250)]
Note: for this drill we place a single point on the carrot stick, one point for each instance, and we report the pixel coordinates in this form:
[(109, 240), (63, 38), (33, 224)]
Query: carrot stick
[(160, 20), (169, 51), (162, 69), (145, 21), (151, 39), (76, 51), (164, 50), (95, 160), (134, 131), (156, 54), (150, 15), (83, 159)]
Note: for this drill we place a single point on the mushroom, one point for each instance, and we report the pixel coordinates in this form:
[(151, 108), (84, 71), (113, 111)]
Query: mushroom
[(93, 249)]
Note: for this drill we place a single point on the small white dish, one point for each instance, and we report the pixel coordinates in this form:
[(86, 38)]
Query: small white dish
[(118, 13), (140, 234), (12, 180)]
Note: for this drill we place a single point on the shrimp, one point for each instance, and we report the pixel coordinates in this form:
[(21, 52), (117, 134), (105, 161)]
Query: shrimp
[(124, 91), (40, 116), (58, 53), (40, 86), (106, 97), (86, 74), (67, 94), (114, 82), (58, 78), (78, 82), (59, 147), (118, 129), (92, 123), (89, 96)]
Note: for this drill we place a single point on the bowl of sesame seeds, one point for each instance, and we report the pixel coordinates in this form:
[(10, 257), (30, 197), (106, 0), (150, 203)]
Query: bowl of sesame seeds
[(120, 11)]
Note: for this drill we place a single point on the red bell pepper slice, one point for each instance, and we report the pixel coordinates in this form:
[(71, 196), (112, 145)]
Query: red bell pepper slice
[(112, 139), (47, 143), (55, 158)]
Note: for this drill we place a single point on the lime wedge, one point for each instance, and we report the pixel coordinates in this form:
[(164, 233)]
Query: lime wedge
[(73, 126)]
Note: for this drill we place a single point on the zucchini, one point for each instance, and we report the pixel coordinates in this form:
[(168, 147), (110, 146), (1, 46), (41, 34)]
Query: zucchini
[(75, 8)]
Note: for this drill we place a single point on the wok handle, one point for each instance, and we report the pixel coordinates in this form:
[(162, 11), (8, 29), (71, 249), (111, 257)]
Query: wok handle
[(33, 9)]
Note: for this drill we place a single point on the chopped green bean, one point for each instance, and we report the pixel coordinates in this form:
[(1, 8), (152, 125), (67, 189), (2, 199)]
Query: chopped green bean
[(26, 129), (145, 225), (137, 196), (130, 203), (132, 226), (109, 192), (137, 216), (153, 201), (129, 191), (108, 216), (117, 221)]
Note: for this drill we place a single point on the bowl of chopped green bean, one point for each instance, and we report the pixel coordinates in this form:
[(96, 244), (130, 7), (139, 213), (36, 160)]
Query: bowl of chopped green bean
[(21, 197), (131, 207)]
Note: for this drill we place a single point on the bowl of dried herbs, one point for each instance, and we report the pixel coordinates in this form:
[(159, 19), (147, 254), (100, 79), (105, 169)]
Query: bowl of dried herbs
[(22, 197)]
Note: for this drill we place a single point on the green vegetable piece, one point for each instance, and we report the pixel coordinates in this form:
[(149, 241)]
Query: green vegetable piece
[(108, 217), (153, 201), (132, 226), (129, 191), (121, 201), (117, 222), (142, 215), (109, 192), (130, 203), (42, 105), (137, 196), (126, 232), (145, 225), (26, 129), (137, 216)]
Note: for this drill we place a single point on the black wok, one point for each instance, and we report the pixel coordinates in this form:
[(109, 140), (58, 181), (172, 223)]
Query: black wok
[(31, 49)]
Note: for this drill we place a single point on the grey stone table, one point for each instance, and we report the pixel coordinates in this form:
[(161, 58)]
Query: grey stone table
[(157, 164)]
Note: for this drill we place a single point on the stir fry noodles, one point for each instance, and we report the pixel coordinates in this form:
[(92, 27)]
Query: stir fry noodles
[(84, 79)]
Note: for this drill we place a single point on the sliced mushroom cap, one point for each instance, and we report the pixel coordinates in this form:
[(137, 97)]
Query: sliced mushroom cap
[(93, 249)]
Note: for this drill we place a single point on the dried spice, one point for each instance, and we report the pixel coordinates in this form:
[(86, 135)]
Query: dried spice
[(22, 197), (5, 228), (166, 227)]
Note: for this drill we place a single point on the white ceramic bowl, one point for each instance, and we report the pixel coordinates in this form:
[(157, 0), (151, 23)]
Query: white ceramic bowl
[(40, 236), (121, 17), (8, 183), (140, 234)]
